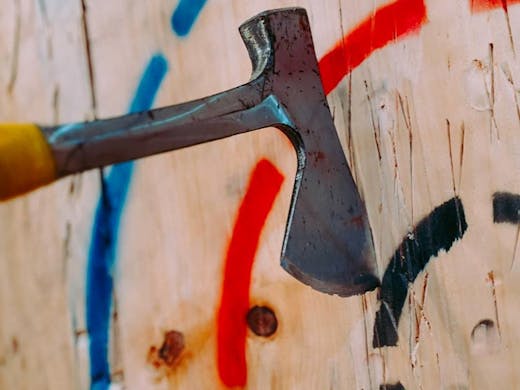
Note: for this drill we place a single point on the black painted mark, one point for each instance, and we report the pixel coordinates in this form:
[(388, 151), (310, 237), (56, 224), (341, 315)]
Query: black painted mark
[(395, 386), (438, 231), (506, 208)]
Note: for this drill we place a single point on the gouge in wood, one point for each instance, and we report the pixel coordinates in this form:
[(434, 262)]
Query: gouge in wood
[(327, 243)]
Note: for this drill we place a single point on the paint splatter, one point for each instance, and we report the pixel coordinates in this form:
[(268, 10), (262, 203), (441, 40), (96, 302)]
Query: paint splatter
[(486, 5), (264, 185), (104, 237), (438, 231), (384, 26), (185, 16)]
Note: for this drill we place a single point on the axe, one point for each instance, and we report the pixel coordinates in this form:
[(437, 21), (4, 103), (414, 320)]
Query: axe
[(327, 242)]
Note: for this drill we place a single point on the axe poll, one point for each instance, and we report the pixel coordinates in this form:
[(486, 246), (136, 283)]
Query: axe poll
[(327, 242)]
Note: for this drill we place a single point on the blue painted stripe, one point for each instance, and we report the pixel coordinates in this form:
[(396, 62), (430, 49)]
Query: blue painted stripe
[(150, 83), (104, 237), (185, 15)]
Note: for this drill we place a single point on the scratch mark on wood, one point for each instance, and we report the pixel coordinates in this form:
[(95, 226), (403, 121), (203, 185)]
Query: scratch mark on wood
[(394, 152), (364, 308), (420, 317), (341, 26), (491, 278), (88, 53), (487, 5), (421, 309), (507, 72), (509, 29), (406, 112), (45, 18), (461, 150), (515, 248), (375, 122), (491, 95), (438, 360), (413, 312), (351, 155), (349, 127), (66, 251), (425, 286), (116, 344), (15, 56), (408, 123), (56, 104), (448, 129)]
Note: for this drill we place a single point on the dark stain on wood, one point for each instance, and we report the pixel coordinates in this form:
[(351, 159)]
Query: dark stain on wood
[(169, 354), (172, 347), (14, 343)]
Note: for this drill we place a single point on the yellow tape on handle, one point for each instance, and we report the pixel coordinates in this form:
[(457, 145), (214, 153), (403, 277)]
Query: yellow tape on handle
[(26, 160)]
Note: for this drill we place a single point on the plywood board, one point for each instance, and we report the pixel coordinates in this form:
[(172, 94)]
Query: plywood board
[(427, 113)]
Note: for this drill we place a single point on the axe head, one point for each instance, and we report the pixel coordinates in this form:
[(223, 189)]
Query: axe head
[(328, 243)]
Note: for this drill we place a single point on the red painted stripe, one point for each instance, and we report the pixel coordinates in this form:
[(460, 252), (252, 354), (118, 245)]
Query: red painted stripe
[(486, 5), (264, 186), (385, 25)]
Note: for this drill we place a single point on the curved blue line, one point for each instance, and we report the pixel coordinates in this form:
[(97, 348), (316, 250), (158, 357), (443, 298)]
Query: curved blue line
[(102, 252), (185, 16)]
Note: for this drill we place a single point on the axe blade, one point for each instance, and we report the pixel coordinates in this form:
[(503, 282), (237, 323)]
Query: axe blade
[(328, 243)]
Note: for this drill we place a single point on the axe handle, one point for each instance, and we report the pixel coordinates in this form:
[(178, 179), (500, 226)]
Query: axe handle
[(26, 160), (33, 156)]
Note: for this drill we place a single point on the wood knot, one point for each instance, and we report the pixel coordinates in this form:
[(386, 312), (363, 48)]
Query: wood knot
[(262, 321)]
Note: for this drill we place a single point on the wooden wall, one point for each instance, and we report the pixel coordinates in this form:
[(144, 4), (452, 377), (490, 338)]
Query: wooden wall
[(427, 111)]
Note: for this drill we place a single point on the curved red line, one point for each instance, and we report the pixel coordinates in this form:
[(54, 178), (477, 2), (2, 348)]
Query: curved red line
[(384, 26), (264, 185)]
